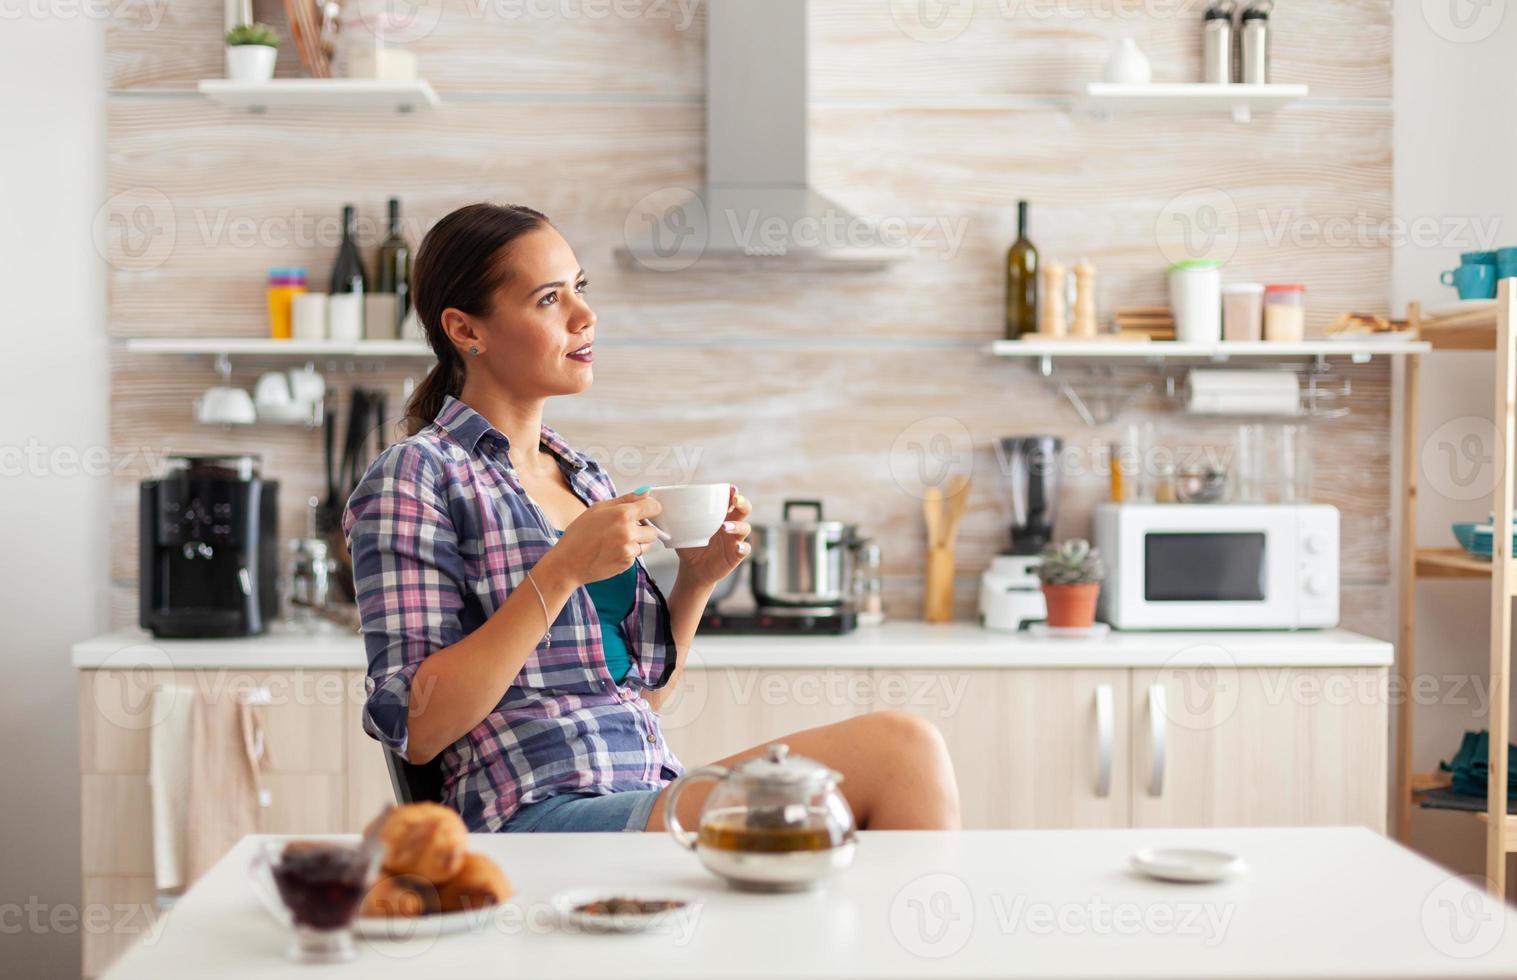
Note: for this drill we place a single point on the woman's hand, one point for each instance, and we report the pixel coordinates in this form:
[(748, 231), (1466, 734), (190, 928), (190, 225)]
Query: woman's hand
[(726, 549), (605, 540)]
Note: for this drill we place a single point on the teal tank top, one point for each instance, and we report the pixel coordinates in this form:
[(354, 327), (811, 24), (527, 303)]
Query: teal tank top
[(613, 599)]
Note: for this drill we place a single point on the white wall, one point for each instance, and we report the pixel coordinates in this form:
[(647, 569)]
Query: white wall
[(53, 396), (1455, 158)]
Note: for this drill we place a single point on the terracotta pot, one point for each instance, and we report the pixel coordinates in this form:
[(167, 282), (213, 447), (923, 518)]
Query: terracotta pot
[(1072, 605)]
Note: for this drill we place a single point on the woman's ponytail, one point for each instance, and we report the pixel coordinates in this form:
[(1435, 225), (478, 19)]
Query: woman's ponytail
[(458, 267)]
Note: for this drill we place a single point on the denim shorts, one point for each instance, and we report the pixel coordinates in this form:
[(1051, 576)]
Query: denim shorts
[(585, 813)]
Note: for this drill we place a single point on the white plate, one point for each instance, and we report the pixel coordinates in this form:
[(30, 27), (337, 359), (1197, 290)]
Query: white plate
[(400, 928), (566, 902), (1091, 632), (1187, 863)]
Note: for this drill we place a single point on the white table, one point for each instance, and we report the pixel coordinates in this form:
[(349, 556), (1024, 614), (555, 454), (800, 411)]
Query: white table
[(1328, 902)]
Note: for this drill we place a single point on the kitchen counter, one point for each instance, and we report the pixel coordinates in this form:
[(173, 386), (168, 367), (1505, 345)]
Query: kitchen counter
[(900, 645), (1314, 902)]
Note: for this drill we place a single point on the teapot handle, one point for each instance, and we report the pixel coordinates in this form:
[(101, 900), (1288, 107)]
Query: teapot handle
[(685, 837)]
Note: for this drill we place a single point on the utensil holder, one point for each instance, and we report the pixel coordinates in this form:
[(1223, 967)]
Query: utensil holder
[(938, 593)]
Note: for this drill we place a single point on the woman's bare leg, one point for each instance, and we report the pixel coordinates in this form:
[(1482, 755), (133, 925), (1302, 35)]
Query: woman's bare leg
[(895, 767)]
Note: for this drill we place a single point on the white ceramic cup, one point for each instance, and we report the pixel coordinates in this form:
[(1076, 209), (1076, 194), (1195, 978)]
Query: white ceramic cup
[(345, 317), (273, 391), (310, 316), (225, 406), (691, 513)]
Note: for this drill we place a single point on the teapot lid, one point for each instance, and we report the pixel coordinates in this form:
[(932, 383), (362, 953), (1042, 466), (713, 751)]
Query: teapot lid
[(778, 766)]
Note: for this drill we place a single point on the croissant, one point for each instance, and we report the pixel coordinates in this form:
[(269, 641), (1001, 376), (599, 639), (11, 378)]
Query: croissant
[(479, 884), (400, 897), (427, 840)]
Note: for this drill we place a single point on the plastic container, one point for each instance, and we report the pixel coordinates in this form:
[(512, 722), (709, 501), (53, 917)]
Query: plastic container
[(1284, 312), (1195, 300), (1243, 311), (283, 286)]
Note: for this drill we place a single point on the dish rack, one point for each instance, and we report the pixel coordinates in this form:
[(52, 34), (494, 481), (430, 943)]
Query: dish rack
[(1489, 329)]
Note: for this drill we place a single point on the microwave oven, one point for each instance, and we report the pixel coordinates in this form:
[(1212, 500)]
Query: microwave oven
[(1218, 566)]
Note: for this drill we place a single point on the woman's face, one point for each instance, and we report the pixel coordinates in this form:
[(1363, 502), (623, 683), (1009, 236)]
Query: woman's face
[(536, 341)]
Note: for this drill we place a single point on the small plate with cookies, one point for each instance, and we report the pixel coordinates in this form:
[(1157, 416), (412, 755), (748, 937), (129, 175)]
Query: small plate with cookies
[(430, 883)]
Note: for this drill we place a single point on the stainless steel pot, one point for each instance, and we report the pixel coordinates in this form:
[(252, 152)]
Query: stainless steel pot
[(803, 560)]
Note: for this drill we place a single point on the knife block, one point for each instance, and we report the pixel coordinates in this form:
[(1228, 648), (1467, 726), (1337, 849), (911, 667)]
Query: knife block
[(938, 591)]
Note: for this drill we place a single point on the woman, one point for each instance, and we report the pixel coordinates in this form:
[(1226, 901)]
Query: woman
[(510, 624)]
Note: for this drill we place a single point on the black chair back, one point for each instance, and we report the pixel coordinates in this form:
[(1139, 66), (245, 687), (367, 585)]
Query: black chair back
[(412, 783)]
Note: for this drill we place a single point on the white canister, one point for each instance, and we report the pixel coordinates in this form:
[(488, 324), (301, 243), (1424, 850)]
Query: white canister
[(308, 316), (345, 317), (1195, 300)]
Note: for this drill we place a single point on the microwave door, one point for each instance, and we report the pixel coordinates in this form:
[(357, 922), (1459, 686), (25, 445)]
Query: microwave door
[(1210, 579)]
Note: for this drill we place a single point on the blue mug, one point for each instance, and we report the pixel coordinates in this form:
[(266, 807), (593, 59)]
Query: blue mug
[(1485, 258), (1472, 281)]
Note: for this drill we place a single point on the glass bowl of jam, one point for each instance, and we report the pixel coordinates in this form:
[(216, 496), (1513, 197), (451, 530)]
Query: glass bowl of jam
[(315, 888)]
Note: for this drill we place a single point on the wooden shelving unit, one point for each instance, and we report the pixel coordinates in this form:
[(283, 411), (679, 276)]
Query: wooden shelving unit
[(320, 93), (1481, 328)]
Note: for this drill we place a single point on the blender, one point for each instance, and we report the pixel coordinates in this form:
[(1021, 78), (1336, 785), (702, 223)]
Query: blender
[(1011, 597)]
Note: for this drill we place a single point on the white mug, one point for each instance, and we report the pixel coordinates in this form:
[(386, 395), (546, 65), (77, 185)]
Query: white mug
[(691, 513)]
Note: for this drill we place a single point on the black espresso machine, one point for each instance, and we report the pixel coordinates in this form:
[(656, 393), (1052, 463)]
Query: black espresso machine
[(208, 536)]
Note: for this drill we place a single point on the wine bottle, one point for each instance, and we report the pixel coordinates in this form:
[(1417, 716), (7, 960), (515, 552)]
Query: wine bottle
[(347, 273), (394, 272), (1021, 281)]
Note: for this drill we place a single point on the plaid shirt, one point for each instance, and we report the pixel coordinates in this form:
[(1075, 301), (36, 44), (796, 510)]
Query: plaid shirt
[(441, 532)]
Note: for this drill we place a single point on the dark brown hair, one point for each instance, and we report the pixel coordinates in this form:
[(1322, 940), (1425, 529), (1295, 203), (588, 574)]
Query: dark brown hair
[(459, 267)]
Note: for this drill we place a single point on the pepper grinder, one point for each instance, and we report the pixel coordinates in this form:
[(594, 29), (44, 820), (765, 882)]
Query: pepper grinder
[(1052, 318), (1085, 300)]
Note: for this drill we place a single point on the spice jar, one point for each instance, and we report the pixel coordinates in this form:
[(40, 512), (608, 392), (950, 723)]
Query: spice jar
[(1284, 312)]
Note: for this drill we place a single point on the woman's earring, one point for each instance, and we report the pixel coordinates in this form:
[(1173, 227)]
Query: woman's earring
[(474, 351)]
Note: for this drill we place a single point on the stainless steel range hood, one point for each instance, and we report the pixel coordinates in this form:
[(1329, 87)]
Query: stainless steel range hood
[(757, 209)]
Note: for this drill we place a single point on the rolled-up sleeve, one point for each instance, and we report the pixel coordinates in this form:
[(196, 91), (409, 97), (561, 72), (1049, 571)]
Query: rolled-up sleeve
[(409, 578)]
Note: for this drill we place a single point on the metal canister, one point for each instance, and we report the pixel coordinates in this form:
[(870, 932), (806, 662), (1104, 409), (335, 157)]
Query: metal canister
[(1217, 42), (1253, 42)]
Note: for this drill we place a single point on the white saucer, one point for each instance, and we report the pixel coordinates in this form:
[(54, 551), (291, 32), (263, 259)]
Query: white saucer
[(567, 903), (1187, 864), (404, 928), (1091, 632)]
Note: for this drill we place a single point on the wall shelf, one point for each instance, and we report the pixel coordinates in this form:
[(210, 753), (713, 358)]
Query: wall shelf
[(268, 347), (1159, 350), (1241, 101), (330, 93)]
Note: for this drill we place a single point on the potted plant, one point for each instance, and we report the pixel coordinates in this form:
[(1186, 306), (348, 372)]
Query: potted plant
[(250, 52), (1071, 574)]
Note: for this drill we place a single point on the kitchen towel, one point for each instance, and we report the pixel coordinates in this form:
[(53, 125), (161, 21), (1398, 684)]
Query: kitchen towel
[(1211, 392), (228, 754), (1471, 766), (169, 783)]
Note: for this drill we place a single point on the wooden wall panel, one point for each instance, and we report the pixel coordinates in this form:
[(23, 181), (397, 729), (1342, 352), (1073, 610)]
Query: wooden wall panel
[(789, 384)]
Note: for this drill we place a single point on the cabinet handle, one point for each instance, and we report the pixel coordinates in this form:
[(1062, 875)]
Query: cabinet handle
[(1106, 726), (1157, 723)]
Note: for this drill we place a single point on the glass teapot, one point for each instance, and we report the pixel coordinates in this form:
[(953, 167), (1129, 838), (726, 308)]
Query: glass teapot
[(773, 823)]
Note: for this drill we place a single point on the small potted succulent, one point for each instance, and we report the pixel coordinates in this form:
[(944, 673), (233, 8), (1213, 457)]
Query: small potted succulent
[(250, 52), (1071, 574)]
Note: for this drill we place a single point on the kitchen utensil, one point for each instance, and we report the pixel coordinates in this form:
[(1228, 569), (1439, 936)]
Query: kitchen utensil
[(944, 512), (773, 823), (1195, 297), (691, 513), (1200, 484), (1187, 864), (1127, 65), (1253, 42), (804, 561), (1217, 43)]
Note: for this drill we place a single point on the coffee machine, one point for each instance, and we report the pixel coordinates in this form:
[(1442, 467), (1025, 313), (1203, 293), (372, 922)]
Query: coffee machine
[(208, 544), (1011, 596)]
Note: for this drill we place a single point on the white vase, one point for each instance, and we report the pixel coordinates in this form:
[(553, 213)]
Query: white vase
[(250, 62), (1127, 64)]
